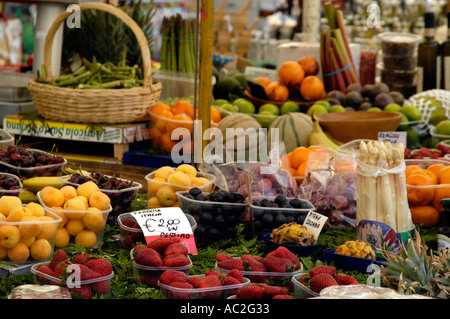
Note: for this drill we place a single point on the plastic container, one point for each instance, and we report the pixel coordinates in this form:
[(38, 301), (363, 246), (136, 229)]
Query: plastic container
[(121, 199), (10, 192), (157, 184), (404, 77), (216, 220), (94, 284), (33, 291), (268, 218), (99, 232), (399, 44), (147, 276), (222, 292), (28, 172), (405, 63), (437, 138), (301, 251), (176, 84), (351, 148), (274, 278), (47, 233), (350, 263), (130, 236), (6, 139), (300, 290)]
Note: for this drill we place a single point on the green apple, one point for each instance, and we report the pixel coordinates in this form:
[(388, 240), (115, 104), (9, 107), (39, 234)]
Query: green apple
[(317, 109), (265, 118), (229, 107), (412, 112), (289, 106), (324, 103), (337, 108), (244, 106), (393, 107), (220, 102), (374, 109), (272, 108)]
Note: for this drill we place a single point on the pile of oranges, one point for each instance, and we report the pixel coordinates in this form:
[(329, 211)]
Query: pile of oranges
[(426, 187), (166, 119), (297, 161)]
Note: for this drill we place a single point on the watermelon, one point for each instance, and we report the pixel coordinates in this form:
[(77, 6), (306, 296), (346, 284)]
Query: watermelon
[(294, 130)]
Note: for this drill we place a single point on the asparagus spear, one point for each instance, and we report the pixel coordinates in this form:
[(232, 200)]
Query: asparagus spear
[(390, 161), (404, 219), (387, 211), (361, 182), (371, 186)]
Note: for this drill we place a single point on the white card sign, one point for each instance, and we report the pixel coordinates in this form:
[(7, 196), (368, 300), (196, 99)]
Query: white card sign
[(314, 222), (395, 138), (166, 222)]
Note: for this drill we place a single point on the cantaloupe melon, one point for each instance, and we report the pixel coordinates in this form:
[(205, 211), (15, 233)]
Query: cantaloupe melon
[(294, 130)]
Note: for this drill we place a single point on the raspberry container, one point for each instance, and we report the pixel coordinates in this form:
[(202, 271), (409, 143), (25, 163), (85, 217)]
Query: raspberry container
[(77, 230), (39, 247), (216, 220), (100, 288), (33, 291), (11, 192), (147, 276), (222, 292), (130, 236), (155, 184), (28, 172), (300, 290), (121, 199)]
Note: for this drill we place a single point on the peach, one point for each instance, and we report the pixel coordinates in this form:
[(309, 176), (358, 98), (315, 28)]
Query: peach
[(166, 196), (164, 172), (19, 253), (189, 170), (9, 236), (52, 197), (100, 200), (41, 249), (86, 189), (7, 202)]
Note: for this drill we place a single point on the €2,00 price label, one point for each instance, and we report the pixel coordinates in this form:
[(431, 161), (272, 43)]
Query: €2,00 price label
[(166, 222)]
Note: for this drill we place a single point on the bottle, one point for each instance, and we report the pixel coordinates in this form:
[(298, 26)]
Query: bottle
[(428, 58), (443, 232), (445, 58)]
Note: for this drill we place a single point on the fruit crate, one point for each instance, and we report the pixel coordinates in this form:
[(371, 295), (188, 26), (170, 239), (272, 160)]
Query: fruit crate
[(99, 232), (54, 169), (121, 199), (11, 185), (94, 284), (221, 292), (44, 238), (216, 220)]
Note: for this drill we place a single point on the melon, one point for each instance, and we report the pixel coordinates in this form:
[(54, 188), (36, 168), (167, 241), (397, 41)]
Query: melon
[(294, 130), (253, 138)]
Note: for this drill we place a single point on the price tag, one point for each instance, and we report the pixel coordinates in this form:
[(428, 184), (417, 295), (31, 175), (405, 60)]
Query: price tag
[(395, 138), (314, 222), (166, 222)]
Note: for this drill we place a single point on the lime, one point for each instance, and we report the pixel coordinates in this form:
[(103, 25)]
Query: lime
[(265, 118), (412, 112), (317, 109), (412, 137), (289, 106), (230, 108), (244, 106), (403, 125), (374, 109), (220, 102), (324, 103), (443, 127), (393, 107), (337, 108), (437, 115), (272, 108)]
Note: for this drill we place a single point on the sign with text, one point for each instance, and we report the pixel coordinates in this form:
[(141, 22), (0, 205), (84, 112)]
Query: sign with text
[(166, 222), (395, 138), (314, 222)]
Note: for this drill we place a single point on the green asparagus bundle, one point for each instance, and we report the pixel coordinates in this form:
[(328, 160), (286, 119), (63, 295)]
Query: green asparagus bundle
[(96, 75)]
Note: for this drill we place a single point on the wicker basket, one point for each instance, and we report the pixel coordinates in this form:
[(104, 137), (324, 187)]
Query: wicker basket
[(96, 105)]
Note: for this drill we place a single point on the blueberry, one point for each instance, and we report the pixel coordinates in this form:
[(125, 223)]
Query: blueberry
[(301, 219), (274, 205), (296, 203), (195, 209), (187, 195), (256, 204), (195, 191), (287, 205), (280, 219), (280, 200), (220, 220), (207, 217), (240, 197), (221, 197), (267, 219), (257, 213), (290, 218), (265, 202), (201, 197), (224, 193), (232, 197), (213, 197)]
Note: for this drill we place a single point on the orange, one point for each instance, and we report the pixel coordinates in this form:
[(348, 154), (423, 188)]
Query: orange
[(277, 91), (183, 107), (441, 192), (166, 143), (155, 136), (180, 120), (411, 168), (312, 88), (158, 108), (263, 81), (309, 65), (436, 169), (429, 174), (299, 156), (162, 120), (444, 175), (291, 74), (417, 192), (215, 115), (425, 215), (293, 171), (301, 169)]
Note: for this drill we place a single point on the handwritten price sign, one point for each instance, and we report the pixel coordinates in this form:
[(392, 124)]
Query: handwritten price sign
[(314, 222), (166, 222)]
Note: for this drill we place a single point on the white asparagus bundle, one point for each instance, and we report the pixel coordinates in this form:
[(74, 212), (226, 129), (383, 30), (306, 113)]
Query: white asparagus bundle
[(370, 199), (363, 157), (404, 219)]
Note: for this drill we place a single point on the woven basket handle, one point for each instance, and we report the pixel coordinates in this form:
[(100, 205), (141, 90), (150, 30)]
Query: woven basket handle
[(140, 36)]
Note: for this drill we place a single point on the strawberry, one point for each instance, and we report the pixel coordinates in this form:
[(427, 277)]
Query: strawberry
[(100, 265), (87, 273), (182, 290), (442, 148), (220, 257), (83, 292), (229, 264), (343, 279), (139, 247), (149, 257), (173, 275), (176, 260), (214, 272), (236, 274), (129, 240), (230, 280), (61, 270), (320, 281), (60, 255), (161, 243), (150, 280), (100, 287), (250, 291), (251, 264), (41, 272), (425, 152), (211, 281), (283, 252), (270, 291), (128, 222), (304, 279), (195, 281), (322, 269), (81, 258), (279, 264), (282, 297), (176, 248)]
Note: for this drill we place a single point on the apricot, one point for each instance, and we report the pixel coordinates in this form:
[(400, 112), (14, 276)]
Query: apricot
[(166, 196), (69, 192), (41, 249), (36, 209), (9, 236), (75, 208), (179, 179), (86, 189), (30, 226), (187, 169), (86, 238), (92, 220), (52, 197), (164, 172), (99, 200), (154, 202), (19, 253), (62, 237), (7, 202), (15, 214), (28, 241), (154, 184), (74, 226), (48, 228)]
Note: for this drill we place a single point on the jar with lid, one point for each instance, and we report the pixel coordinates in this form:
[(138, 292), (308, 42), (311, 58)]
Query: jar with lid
[(443, 233)]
